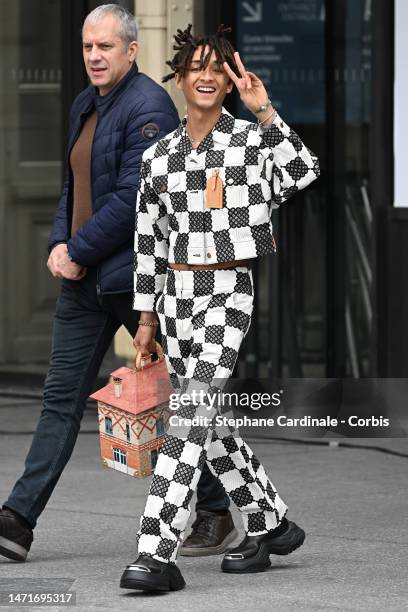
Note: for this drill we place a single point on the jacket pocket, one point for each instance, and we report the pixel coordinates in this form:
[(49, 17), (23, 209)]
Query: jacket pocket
[(165, 183), (235, 182)]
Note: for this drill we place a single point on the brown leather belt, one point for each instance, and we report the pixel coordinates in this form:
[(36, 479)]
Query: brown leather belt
[(222, 265)]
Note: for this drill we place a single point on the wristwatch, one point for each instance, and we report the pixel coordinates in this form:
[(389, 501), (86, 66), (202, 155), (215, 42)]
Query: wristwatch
[(263, 107)]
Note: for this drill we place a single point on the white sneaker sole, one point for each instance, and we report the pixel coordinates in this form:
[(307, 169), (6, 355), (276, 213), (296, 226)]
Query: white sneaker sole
[(11, 550)]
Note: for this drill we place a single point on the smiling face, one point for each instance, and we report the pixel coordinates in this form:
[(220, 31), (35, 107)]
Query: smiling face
[(107, 58), (204, 88)]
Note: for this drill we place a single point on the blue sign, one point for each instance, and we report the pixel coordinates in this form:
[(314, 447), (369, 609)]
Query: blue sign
[(283, 43)]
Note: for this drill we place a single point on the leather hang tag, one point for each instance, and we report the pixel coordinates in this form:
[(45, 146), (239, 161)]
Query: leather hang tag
[(214, 191)]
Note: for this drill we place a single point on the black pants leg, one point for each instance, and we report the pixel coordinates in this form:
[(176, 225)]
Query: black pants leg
[(84, 326)]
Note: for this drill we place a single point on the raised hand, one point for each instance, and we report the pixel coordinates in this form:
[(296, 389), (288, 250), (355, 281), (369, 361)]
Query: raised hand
[(251, 89)]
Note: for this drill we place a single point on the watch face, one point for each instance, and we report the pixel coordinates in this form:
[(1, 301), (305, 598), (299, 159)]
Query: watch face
[(263, 107)]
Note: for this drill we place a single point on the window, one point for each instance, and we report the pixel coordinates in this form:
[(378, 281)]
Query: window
[(108, 426), (160, 427), (39, 82), (120, 456), (128, 432)]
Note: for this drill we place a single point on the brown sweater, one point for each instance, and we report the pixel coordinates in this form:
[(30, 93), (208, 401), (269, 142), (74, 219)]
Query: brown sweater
[(80, 161)]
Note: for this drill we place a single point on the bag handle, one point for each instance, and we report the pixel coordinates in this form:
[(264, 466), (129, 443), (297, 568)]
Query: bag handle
[(148, 358)]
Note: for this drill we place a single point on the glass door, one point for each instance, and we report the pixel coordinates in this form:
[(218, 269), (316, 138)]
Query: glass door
[(315, 298), (351, 216)]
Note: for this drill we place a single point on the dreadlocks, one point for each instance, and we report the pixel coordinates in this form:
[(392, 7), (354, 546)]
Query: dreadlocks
[(186, 44)]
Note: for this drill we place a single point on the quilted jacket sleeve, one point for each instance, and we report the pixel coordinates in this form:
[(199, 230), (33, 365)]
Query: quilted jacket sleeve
[(151, 245), (289, 165), (59, 229), (112, 225)]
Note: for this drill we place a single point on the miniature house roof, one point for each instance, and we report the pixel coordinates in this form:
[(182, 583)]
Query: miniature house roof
[(141, 390)]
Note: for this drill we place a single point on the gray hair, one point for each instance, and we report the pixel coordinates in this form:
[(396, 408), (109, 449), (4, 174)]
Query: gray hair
[(127, 21)]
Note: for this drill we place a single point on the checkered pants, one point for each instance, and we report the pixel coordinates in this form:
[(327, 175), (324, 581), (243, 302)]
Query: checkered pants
[(204, 316)]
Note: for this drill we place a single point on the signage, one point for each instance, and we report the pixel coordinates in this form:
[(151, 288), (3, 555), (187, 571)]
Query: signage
[(283, 43)]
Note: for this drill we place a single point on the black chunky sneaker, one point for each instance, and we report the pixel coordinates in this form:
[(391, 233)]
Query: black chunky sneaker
[(15, 538), (252, 554), (148, 574), (211, 534)]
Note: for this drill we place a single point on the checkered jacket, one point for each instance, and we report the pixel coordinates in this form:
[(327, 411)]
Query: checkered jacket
[(260, 168)]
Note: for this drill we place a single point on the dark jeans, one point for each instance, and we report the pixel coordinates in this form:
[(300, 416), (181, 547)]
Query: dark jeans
[(84, 327)]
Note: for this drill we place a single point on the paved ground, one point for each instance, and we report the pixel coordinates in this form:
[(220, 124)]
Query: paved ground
[(351, 502)]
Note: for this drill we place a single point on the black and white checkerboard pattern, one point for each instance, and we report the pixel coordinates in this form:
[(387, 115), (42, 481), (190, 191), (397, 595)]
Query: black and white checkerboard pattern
[(204, 317), (260, 169)]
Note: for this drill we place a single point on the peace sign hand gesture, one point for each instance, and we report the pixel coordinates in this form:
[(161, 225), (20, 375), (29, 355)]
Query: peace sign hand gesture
[(251, 89)]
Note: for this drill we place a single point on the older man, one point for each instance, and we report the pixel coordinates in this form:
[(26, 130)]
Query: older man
[(112, 122)]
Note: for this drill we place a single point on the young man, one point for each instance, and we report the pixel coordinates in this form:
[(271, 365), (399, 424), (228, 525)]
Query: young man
[(203, 212), (113, 121)]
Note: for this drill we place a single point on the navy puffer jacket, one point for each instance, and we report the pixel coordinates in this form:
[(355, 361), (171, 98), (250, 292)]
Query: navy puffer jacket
[(131, 117)]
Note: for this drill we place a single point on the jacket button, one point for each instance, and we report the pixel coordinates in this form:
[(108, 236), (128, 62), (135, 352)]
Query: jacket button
[(209, 255), (281, 125), (163, 188)]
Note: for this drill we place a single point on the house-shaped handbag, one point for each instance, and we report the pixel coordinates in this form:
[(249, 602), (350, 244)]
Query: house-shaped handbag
[(133, 414)]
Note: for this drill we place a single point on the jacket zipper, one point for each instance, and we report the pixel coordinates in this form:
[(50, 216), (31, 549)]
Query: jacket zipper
[(98, 272)]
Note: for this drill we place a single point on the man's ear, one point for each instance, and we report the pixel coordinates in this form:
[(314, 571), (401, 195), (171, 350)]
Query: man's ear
[(178, 79), (133, 50), (230, 87)]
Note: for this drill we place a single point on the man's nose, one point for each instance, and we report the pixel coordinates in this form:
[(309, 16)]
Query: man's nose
[(94, 53)]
